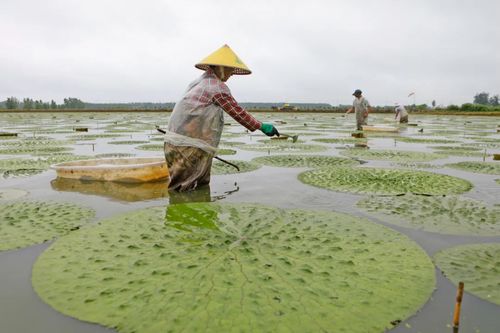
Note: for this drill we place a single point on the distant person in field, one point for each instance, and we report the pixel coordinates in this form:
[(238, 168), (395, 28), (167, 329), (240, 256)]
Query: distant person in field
[(196, 123), (401, 113), (361, 108)]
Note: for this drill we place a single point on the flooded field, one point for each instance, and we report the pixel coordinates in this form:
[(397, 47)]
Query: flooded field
[(409, 214)]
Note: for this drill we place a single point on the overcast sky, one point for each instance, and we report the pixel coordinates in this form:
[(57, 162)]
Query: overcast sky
[(299, 51)]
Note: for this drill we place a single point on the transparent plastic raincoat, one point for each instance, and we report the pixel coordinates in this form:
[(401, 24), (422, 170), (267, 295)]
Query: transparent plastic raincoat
[(196, 121)]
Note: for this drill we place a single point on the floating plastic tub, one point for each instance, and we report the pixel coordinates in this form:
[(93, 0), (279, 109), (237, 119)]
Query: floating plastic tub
[(125, 170), (380, 128)]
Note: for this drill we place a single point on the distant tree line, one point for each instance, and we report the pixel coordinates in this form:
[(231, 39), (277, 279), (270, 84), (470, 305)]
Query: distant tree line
[(12, 103), (483, 98), (482, 102)]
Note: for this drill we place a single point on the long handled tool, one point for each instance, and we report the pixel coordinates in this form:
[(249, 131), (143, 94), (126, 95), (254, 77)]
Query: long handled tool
[(216, 157), (293, 137)]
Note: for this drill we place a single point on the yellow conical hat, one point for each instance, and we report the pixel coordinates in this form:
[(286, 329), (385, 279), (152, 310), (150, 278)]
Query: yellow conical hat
[(224, 57)]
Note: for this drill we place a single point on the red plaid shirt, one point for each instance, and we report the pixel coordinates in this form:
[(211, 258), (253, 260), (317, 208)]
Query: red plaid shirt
[(223, 98)]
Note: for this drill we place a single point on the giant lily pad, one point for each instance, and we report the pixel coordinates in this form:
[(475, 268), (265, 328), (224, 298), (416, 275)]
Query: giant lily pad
[(340, 140), (128, 142), (492, 168), (221, 168), (34, 150), (114, 155), (297, 161), (449, 215), (384, 181), (90, 137), (415, 165), (235, 268), (456, 148), (32, 222), (19, 167), (390, 155), (231, 143), (284, 147), (226, 151), (477, 265), (460, 153), (409, 139), (34, 142), (151, 147)]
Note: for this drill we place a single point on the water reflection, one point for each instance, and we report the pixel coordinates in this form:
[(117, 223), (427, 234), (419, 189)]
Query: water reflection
[(133, 192), (185, 217), (122, 191), (363, 145), (201, 194)]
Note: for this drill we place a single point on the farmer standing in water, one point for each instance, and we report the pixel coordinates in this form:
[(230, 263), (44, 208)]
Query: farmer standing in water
[(196, 123), (361, 108)]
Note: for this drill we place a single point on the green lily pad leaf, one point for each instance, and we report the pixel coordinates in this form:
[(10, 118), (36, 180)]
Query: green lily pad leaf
[(492, 168), (151, 147), (114, 155), (456, 148), (19, 173), (341, 140), (91, 137), (297, 161), (31, 143), (284, 147), (282, 140), (498, 181), (448, 215), (19, 167), (231, 143), (235, 268), (11, 194), (415, 165), (33, 222), (424, 140), (161, 138), (34, 150), (390, 155), (477, 265), (384, 181), (221, 168), (460, 153), (225, 151), (232, 135), (128, 142)]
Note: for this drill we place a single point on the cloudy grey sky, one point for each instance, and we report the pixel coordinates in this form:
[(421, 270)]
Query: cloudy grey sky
[(299, 51)]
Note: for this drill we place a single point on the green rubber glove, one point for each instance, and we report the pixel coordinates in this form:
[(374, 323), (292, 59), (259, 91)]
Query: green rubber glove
[(269, 129)]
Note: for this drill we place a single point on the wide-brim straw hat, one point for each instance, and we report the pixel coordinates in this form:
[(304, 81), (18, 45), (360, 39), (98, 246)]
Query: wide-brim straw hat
[(224, 57)]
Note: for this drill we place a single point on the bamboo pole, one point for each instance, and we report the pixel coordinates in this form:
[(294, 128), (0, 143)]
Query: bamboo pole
[(458, 304)]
